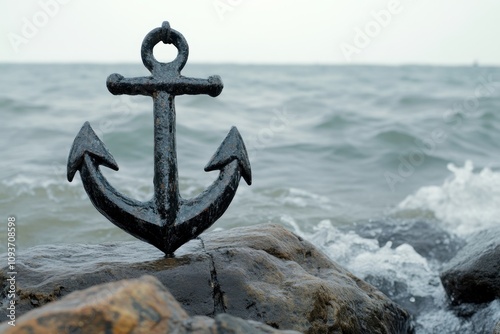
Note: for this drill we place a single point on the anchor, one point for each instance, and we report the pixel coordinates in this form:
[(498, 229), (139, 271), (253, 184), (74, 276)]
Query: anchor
[(167, 221)]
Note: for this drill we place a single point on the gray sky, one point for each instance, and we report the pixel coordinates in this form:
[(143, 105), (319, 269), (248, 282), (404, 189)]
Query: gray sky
[(255, 31)]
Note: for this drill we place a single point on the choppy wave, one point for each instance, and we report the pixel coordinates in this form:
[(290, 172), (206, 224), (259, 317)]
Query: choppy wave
[(466, 202)]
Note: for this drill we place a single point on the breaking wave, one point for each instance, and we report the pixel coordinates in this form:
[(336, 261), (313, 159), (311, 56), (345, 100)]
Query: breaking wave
[(466, 202)]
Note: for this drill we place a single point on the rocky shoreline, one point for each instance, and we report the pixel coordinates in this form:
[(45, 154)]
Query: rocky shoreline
[(259, 279)]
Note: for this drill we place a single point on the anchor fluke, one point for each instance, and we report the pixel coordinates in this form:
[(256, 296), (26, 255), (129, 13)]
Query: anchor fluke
[(232, 148), (87, 142)]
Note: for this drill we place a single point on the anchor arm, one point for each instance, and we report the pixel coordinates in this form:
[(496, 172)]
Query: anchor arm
[(86, 155), (132, 216), (199, 213)]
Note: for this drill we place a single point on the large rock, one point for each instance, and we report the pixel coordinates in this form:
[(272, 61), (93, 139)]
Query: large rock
[(473, 275), (263, 273), (138, 306)]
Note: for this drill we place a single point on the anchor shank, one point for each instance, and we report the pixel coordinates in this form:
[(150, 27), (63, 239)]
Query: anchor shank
[(166, 184)]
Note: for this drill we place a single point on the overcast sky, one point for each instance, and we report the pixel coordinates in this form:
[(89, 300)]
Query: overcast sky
[(446, 32)]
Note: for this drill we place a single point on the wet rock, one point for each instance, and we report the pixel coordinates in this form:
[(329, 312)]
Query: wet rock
[(426, 237), (288, 283), (263, 273), (135, 306), (473, 275), (47, 273), (227, 324)]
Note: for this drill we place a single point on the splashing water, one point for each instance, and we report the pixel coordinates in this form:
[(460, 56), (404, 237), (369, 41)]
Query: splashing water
[(466, 202), (402, 274)]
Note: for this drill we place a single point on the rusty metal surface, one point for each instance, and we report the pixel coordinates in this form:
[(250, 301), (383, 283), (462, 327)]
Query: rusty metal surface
[(167, 221)]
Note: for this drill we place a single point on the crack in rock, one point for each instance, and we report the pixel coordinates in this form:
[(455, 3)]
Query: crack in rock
[(218, 294)]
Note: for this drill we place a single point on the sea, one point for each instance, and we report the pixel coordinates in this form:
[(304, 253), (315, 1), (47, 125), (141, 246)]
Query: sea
[(333, 149)]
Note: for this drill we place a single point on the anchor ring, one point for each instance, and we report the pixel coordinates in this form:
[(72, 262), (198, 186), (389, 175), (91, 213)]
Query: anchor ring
[(166, 35)]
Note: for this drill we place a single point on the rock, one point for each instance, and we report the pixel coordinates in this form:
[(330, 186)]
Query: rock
[(47, 273), (426, 237), (135, 306), (473, 275), (284, 277), (497, 328), (227, 324), (263, 273)]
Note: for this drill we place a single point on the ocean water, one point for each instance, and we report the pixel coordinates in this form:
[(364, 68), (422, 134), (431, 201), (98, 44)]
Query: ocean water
[(332, 148)]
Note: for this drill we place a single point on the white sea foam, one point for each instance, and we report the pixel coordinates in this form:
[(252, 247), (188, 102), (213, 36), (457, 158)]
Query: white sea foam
[(364, 257), (301, 198), (405, 275), (466, 202)]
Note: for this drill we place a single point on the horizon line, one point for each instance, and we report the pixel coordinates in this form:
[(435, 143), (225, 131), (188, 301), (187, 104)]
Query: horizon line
[(474, 64)]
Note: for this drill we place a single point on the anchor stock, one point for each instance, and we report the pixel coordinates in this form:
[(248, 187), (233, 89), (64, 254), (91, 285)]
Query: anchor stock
[(167, 221)]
